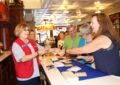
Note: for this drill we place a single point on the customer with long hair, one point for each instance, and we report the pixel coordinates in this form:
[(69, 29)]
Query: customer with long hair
[(105, 45)]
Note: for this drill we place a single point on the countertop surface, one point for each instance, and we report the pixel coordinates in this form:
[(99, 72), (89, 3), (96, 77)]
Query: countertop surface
[(4, 55)]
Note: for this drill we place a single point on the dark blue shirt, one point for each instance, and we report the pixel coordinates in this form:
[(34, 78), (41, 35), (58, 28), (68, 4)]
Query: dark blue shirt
[(108, 60)]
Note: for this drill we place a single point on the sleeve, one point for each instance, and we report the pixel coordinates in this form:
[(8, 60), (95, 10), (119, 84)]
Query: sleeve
[(82, 42), (17, 52), (40, 47)]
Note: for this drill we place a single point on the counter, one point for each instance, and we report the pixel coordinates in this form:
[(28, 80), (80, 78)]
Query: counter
[(4, 55), (94, 77), (7, 70)]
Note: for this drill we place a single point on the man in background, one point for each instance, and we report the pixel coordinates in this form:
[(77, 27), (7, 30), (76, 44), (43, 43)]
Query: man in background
[(72, 40)]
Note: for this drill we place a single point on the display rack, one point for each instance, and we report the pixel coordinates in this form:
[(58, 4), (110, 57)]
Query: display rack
[(115, 18)]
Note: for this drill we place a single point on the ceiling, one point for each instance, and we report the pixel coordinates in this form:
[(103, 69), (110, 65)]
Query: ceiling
[(63, 12)]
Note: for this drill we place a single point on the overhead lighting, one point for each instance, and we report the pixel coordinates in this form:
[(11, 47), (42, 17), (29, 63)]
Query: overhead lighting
[(66, 9), (47, 25), (98, 11), (97, 3), (78, 12), (79, 20), (98, 6), (66, 12)]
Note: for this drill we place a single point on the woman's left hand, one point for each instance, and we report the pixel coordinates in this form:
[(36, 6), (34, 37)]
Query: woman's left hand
[(41, 52), (89, 58)]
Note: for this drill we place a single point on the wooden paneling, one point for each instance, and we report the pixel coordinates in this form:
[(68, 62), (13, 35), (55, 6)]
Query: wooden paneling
[(15, 17), (7, 72)]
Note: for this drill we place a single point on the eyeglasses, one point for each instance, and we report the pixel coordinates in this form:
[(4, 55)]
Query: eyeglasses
[(26, 30)]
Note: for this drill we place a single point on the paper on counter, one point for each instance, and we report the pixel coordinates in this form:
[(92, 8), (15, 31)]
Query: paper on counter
[(81, 74), (54, 59), (69, 76), (68, 64), (74, 68), (58, 64), (66, 61)]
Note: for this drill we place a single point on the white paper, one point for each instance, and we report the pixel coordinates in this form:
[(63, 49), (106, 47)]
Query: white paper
[(74, 68), (58, 64), (69, 76), (82, 74)]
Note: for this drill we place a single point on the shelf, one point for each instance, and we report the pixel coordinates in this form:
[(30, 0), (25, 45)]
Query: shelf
[(115, 18)]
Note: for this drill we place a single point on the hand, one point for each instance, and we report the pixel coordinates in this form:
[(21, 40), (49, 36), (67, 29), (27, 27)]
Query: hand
[(54, 50), (80, 57), (41, 52), (89, 58)]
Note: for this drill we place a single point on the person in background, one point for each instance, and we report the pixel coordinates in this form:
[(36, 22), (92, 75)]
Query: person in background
[(66, 33), (71, 40), (105, 45), (32, 34), (60, 42), (1, 47), (56, 41), (25, 54), (86, 33)]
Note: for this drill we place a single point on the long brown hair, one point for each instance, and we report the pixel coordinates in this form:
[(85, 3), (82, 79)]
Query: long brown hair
[(106, 26)]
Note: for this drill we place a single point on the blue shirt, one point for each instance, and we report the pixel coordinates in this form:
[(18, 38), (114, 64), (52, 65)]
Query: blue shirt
[(82, 42)]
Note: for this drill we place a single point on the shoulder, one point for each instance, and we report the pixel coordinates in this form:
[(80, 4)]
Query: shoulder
[(15, 44), (104, 40), (82, 40), (78, 33), (30, 40), (67, 37), (61, 40)]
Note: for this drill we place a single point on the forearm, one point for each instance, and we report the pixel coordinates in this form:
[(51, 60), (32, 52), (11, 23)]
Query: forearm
[(28, 57), (73, 51)]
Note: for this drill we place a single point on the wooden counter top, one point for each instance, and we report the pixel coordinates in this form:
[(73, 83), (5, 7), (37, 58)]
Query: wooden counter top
[(4, 55)]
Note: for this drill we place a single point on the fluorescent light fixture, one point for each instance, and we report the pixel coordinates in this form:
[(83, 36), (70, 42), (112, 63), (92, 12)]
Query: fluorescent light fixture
[(32, 4)]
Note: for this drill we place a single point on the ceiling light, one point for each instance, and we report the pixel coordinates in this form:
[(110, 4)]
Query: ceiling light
[(98, 11), (79, 19), (98, 6), (66, 9), (97, 3), (66, 12), (78, 12), (47, 25)]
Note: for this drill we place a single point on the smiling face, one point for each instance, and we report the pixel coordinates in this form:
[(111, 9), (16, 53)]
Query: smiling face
[(95, 24), (25, 33), (72, 31), (61, 36), (32, 35)]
